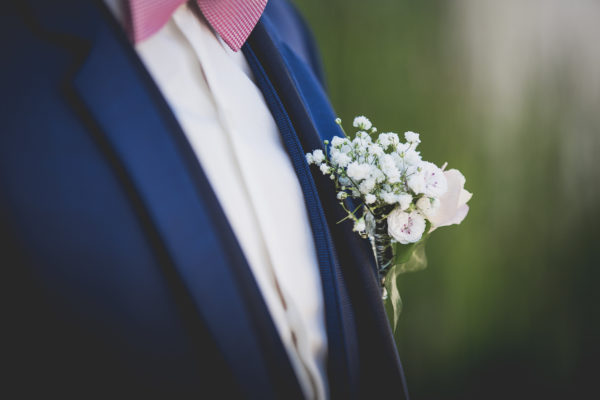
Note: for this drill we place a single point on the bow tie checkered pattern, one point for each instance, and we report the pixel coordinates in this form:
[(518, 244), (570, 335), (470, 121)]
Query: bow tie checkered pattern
[(233, 20)]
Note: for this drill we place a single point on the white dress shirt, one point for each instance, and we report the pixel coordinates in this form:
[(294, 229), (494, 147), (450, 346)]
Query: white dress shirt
[(224, 116)]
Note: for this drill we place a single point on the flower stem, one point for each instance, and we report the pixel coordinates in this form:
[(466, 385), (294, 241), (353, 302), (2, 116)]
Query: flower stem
[(382, 243)]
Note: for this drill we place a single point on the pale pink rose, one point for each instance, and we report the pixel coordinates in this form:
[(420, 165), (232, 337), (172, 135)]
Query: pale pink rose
[(453, 206), (405, 227)]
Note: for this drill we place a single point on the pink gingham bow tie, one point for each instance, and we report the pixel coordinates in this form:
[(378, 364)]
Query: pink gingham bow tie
[(233, 20)]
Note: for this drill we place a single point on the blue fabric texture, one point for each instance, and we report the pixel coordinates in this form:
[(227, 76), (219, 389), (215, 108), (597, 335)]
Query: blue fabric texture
[(122, 273)]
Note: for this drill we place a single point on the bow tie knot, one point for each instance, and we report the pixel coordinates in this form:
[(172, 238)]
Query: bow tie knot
[(233, 20)]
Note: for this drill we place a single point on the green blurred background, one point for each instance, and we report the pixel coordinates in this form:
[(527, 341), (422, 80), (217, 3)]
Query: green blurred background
[(509, 93)]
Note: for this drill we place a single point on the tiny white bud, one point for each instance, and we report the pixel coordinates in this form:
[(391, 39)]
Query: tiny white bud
[(342, 195), (359, 225), (318, 156), (412, 137), (362, 122)]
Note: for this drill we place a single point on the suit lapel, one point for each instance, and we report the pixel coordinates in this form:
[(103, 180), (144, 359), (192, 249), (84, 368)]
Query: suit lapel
[(120, 103), (291, 116), (371, 357)]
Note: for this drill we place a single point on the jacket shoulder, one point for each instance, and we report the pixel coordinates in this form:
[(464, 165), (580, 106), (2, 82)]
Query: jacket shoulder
[(293, 30)]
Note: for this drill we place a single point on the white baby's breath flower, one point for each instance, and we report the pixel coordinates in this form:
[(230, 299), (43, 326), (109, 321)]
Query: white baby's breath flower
[(384, 140), (412, 157), (375, 170), (359, 225), (389, 197), (362, 142), (406, 227), (367, 185), (412, 137), (325, 169), (416, 182), (340, 159), (388, 166), (400, 164), (342, 195), (404, 200), (370, 198), (375, 150), (358, 171), (344, 181), (362, 122), (346, 147), (428, 206), (387, 139), (309, 159), (318, 156), (337, 141), (378, 175), (402, 148)]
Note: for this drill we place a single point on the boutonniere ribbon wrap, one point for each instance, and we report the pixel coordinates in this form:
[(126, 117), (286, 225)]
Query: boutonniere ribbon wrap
[(394, 198)]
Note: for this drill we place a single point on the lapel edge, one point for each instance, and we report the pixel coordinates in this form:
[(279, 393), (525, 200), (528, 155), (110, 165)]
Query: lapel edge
[(81, 45)]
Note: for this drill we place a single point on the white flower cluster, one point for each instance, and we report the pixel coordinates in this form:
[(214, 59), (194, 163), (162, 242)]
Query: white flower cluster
[(386, 174)]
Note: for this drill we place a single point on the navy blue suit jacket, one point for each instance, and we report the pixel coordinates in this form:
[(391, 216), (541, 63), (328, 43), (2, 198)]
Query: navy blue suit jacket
[(121, 274)]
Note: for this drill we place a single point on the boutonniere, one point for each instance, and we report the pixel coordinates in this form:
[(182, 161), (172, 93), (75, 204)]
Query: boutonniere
[(394, 198)]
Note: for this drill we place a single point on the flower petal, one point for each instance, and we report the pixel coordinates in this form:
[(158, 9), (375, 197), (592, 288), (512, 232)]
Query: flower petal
[(453, 208), (460, 215), (465, 196)]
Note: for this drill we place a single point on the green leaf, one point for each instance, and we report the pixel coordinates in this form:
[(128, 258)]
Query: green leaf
[(393, 302), (410, 258), (403, 252), (407, 258)]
